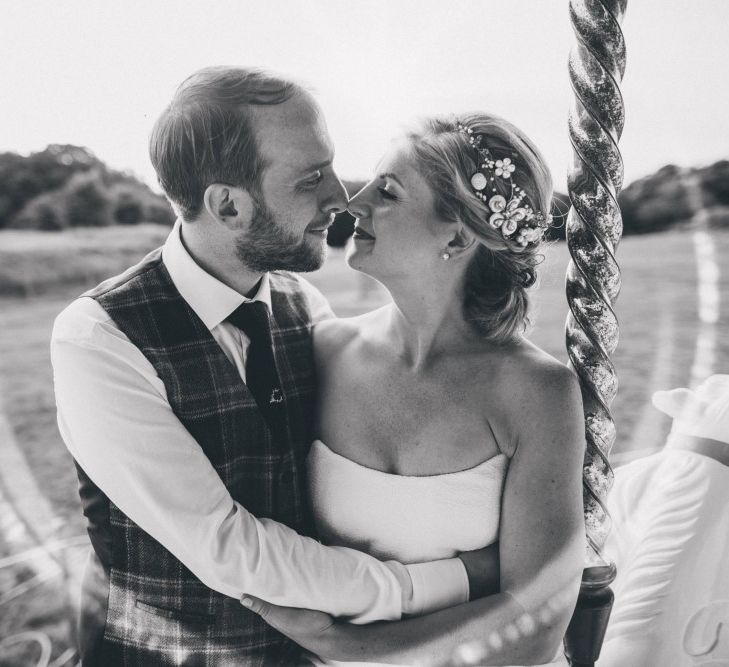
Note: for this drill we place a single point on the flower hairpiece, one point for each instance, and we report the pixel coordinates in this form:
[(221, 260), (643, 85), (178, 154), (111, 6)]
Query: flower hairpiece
[(515, 217)]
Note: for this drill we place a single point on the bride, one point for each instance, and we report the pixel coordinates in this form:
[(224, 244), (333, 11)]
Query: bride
[(442, 429)]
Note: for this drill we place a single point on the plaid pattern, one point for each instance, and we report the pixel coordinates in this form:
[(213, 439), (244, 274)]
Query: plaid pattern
[(159, 613)]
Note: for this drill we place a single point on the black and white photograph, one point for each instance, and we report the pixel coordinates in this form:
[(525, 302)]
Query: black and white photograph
[(364, 333)]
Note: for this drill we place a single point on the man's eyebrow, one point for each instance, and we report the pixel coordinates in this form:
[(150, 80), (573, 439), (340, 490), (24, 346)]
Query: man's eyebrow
[(393, 177), (316, 167)]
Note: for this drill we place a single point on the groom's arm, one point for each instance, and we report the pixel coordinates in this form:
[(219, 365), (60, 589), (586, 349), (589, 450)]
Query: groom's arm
[(116, 421)]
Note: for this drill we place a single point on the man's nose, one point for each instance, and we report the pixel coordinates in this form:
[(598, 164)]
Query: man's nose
[(336, 199)]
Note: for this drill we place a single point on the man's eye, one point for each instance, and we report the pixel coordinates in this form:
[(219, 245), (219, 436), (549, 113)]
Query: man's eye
[(386, 193), (312, 182)]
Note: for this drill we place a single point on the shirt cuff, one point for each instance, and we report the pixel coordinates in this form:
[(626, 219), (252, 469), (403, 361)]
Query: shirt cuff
[(438, 584)]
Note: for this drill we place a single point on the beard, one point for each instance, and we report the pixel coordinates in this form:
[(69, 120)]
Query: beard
[(270, 246)]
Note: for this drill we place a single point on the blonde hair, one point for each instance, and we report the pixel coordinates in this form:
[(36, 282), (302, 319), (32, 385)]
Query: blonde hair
[(495, 300), (206, 135)]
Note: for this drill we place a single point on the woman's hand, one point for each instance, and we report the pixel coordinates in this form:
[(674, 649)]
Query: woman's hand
[(312, 630)]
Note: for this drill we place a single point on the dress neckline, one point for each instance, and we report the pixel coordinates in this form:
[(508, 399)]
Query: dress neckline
[(374, 471)]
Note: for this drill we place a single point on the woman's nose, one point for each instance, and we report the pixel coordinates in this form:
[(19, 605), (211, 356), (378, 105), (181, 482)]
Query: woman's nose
[(358, 206)]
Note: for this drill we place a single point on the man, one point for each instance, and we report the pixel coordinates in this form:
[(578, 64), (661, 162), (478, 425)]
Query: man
[(185, 391)]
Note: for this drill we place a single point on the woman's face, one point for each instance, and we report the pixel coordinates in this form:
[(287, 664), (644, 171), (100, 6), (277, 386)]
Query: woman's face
[(397, 232)]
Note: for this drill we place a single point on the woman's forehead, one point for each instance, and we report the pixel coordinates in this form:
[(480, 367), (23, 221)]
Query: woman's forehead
[(399, 160)]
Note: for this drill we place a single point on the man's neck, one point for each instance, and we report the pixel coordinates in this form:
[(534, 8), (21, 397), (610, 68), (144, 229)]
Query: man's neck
[(220, 261)]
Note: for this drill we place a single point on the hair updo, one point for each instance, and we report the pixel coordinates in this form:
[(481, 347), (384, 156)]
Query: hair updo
[(495, 300)]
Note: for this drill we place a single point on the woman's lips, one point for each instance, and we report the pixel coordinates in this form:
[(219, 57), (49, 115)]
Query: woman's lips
[(360, 233)]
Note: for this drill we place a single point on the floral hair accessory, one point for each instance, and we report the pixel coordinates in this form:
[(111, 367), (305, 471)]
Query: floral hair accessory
[(515, 217)]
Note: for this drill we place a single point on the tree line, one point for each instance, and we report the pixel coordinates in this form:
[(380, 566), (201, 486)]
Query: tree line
[(68, 186)]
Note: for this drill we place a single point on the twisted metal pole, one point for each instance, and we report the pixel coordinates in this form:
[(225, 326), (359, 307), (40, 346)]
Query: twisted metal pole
[(594, 228)]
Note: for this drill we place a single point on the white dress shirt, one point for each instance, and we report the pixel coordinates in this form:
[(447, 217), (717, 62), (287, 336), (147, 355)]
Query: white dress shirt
[(116, 421)]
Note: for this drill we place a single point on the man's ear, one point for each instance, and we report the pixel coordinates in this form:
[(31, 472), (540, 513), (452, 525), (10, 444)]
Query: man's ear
[(229, 205), (462, 241)]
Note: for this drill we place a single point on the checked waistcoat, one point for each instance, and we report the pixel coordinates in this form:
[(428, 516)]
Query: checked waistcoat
[(157, 611)]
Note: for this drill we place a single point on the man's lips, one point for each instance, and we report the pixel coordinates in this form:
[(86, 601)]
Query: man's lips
[(360, 233), (322, 227)]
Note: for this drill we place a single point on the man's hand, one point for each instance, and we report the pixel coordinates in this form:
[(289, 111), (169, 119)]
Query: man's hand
[(482, 567)]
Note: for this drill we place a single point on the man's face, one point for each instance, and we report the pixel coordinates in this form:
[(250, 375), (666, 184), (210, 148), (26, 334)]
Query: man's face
[(300, 193)]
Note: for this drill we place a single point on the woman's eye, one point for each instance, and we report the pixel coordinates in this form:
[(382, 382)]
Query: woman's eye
[(386, 193)]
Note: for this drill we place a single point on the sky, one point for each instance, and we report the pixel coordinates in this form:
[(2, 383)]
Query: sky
[(98, 73)]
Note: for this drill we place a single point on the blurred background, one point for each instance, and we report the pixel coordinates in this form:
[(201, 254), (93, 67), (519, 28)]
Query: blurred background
[(82, 83)]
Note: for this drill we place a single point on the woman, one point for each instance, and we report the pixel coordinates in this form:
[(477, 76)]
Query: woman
[(441, 428)]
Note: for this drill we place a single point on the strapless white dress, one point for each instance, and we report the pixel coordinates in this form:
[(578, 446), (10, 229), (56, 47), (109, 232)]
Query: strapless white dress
[(410, 519)]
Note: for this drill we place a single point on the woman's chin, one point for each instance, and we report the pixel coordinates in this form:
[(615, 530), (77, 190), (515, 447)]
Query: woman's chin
[(358, 257)]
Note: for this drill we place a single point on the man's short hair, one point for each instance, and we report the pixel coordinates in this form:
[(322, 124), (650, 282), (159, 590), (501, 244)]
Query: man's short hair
[(206, 134)]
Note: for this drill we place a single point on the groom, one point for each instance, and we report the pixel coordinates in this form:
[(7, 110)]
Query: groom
[(185, 391)]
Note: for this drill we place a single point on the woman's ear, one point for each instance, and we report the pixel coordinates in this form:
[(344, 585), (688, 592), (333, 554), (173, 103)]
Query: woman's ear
[(230, 206), (462, 242)]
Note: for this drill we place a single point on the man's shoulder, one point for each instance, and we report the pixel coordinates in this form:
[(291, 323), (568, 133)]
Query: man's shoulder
[(82, 319), (287, 281), (78, 322), (151, 261), (296, 288)]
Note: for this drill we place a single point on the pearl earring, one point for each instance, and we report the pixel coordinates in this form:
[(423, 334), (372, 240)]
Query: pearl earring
[(446, 256)]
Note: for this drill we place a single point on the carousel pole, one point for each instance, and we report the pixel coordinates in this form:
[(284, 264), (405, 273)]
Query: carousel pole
[(594, 228)]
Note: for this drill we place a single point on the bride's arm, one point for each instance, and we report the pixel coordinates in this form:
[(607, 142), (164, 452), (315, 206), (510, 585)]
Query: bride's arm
[(541, 550), (541, 543)]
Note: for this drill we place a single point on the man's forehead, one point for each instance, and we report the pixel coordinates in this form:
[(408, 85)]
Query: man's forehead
[(293, 136)]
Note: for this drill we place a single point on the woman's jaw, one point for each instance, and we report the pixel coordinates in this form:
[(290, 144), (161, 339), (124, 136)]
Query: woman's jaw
[(399, 239), (361, 245)]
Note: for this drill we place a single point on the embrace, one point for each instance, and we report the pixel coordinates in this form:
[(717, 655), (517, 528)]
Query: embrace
[(266, 484)]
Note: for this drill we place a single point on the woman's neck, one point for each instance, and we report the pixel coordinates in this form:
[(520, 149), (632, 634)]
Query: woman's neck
[(427, 320)]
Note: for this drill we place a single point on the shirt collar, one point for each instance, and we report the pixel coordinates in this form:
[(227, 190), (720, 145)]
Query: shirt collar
[(212, 300)]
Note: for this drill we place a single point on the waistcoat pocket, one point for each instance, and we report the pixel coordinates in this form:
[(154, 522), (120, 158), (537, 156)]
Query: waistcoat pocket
[(175, 614), (153, 614)]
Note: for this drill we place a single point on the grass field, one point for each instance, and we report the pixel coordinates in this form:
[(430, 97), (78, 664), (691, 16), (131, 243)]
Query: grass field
[(40, 273)]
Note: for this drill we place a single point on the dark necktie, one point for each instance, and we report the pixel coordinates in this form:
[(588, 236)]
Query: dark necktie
[(261, 375)]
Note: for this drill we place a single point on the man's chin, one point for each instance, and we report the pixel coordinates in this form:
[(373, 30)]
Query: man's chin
[(314, 263), (306, 257)]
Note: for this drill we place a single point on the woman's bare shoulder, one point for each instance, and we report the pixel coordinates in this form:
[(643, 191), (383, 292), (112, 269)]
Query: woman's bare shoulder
[(334, 335), (543, 397), (536, 372)]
